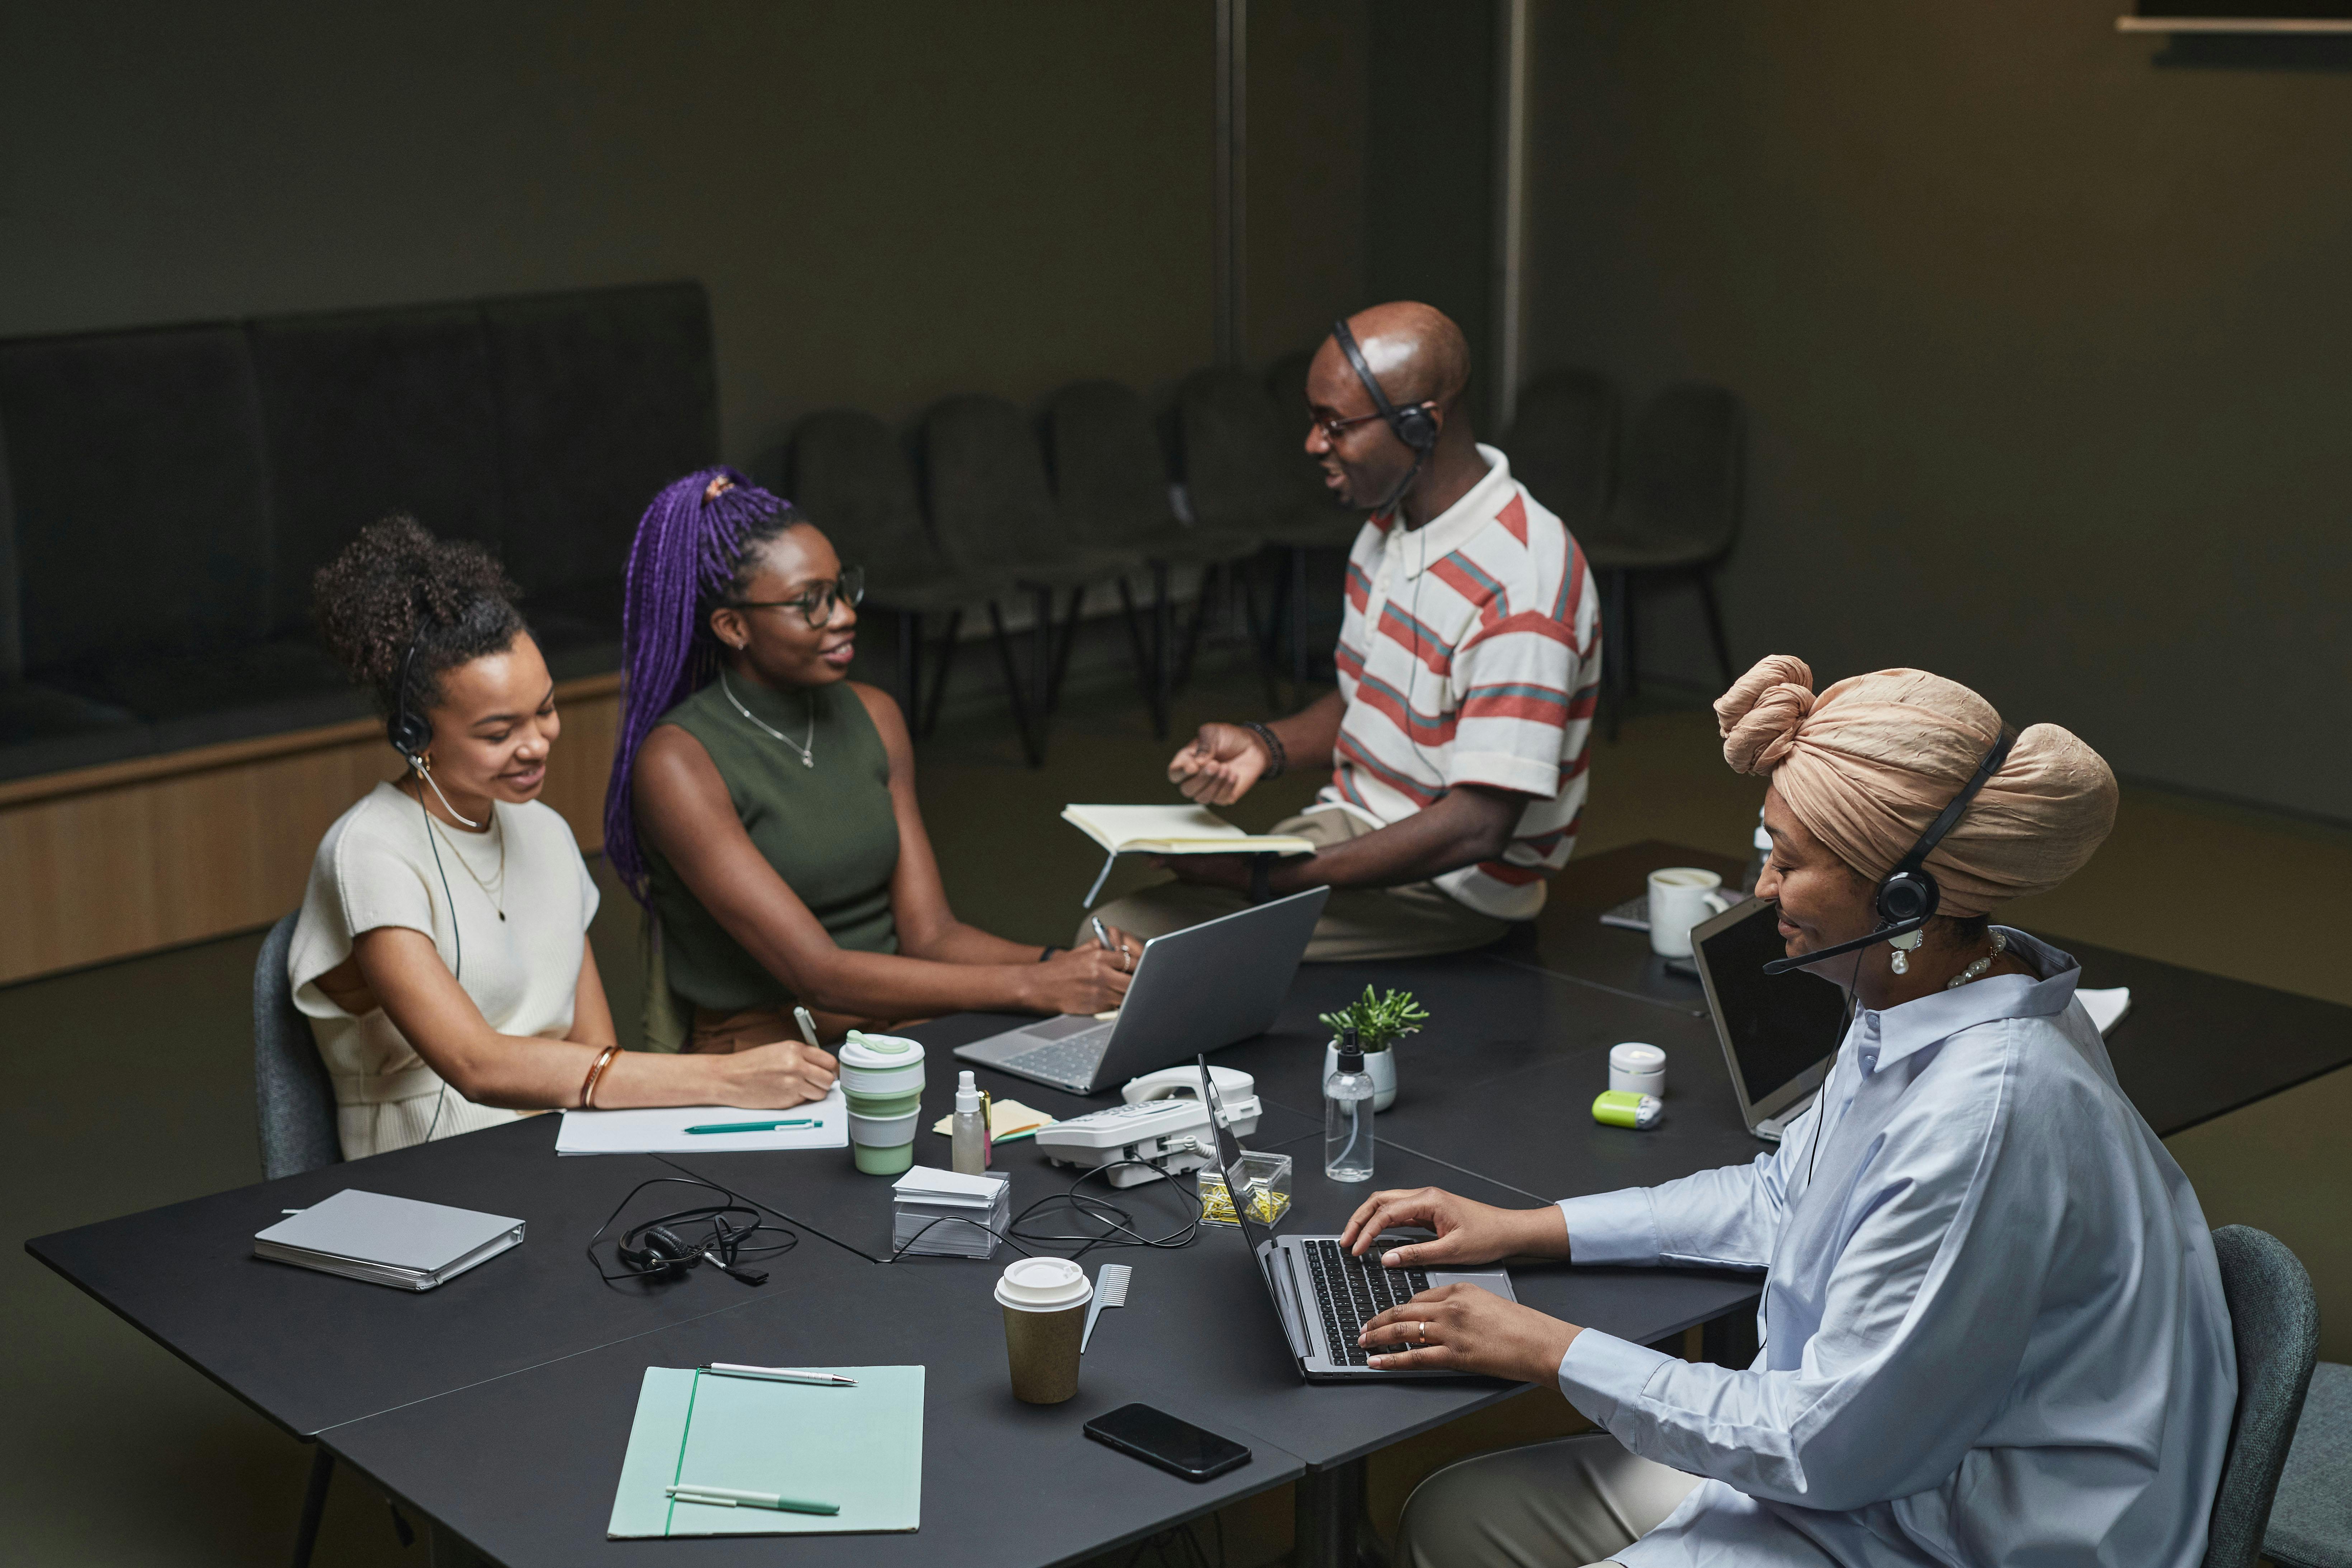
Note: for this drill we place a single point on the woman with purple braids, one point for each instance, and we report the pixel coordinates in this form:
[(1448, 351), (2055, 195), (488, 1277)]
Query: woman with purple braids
[(763, 805)]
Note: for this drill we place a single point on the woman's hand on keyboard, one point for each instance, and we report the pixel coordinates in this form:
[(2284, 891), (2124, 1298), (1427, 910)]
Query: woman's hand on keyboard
[(1085, 979), (1468, 1232), (1461, 1328)]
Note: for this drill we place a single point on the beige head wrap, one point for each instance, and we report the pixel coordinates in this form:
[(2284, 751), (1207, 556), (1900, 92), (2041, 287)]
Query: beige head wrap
[(1868, 764)]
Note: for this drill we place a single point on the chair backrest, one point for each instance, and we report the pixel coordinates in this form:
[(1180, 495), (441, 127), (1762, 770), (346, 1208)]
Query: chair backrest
[(1285, 383), (985, 480), (850, 476), (1562, 444), (293, 1101), (1236, 458), (2274, 1322), (1109, 479), (1682, 467)]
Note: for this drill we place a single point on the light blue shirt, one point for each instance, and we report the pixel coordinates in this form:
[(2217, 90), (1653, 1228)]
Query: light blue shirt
[(1993, 1328)]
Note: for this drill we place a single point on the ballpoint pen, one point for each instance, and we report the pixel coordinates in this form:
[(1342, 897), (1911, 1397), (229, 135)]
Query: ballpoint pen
[(779, 1375), (731, 1497), (754, 1126), (807, 1024), (1101, 935)]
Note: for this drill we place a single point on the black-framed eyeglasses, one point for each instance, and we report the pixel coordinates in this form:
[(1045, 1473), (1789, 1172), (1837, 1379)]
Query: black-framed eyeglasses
[(816, 605), (1334, 429)]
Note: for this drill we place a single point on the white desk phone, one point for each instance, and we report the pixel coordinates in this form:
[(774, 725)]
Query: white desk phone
[(1162, 1124)]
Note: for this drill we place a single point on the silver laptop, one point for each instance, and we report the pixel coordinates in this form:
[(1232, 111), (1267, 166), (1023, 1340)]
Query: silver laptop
[(1779, 1032), (1194, 990), (1323, 1294)]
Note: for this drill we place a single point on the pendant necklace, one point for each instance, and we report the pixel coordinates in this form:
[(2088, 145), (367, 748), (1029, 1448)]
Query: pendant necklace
[(497, 894), (805, 748)]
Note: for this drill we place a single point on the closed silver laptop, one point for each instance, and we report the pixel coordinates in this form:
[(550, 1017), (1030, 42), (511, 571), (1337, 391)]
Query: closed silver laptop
[(1194, 990)]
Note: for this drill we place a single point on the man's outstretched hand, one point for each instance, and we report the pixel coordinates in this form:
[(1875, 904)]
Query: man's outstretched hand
[(1220, 765)]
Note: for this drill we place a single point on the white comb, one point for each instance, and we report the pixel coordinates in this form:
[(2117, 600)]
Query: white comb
[(1110, 1291)]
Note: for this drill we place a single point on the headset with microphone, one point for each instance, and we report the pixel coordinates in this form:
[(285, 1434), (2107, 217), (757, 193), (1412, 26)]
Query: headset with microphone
[(1416, 424), (1909, 898)]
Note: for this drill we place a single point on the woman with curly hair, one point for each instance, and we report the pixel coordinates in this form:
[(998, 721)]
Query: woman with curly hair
[(441, 955), (763, 805)]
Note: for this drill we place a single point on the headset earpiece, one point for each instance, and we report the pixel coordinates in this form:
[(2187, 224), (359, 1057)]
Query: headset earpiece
[(409, 732), (1908, 896), (663, 1255)]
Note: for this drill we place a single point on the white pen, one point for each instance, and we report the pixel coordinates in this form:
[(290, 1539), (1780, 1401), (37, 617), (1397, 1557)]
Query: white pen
[(807, 1024), (731, 1497), (782, 1374)]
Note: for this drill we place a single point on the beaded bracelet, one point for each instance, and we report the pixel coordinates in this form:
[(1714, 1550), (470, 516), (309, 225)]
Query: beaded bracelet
[(1273, 748)]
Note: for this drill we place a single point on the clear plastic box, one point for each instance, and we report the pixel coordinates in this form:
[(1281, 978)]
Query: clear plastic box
[(1265, 1187)]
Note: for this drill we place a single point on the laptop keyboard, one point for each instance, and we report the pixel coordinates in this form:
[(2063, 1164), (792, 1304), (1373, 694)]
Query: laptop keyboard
[(1351, 1291), (1070, 1061)]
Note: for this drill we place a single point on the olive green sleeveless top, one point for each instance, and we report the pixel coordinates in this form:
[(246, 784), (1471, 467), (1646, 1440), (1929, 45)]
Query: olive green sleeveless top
[(828, 829)]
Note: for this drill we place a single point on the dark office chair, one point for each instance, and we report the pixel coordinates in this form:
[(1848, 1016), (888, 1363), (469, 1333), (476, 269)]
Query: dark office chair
[(850, 474), (1241, 461), (2311, 1521), (1111, 483), (1674, 513), (2274, 1323), (1562, 444), (294, 1105), (984, 479)]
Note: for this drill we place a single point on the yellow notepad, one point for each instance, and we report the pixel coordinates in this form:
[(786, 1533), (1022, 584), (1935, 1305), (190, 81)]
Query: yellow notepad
[(1007, 1118)]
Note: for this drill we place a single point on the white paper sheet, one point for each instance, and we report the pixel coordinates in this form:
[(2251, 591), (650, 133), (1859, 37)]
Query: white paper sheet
[(2106, 1008), (663, 1129)]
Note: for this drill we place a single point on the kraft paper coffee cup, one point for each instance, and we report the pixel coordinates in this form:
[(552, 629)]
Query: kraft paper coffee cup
[(1044, 1302)]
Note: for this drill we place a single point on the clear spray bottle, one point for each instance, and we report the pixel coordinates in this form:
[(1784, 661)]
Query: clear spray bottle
[(968, 1132), (1348, 1116)]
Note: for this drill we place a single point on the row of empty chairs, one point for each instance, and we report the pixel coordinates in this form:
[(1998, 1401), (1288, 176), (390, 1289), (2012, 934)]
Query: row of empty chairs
[(985, 504)]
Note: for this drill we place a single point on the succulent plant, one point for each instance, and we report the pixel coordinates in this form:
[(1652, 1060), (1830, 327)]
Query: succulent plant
[(1379, 1022)]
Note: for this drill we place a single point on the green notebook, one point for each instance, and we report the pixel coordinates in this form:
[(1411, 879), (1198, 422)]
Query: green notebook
[(861, 1447)]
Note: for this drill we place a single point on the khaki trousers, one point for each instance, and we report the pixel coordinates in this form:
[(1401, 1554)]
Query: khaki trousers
[(1548, 1505), (1411, 921)]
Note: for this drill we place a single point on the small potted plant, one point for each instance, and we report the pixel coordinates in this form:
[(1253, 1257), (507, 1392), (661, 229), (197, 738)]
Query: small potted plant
[(1379, 1023)]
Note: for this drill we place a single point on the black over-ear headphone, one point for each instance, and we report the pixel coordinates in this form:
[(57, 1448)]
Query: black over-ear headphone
[(1909, 897), (408, 732), (1416, 424), (665, 1254)]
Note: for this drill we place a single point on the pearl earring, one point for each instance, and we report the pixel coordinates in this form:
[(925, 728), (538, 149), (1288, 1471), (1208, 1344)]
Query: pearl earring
[(1903, 945)]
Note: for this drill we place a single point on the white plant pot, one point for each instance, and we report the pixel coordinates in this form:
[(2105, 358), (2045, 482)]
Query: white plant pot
[(1380, 1065)]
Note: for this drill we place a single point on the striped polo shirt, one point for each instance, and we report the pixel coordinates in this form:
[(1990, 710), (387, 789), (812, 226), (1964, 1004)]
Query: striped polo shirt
[(1469, 653)]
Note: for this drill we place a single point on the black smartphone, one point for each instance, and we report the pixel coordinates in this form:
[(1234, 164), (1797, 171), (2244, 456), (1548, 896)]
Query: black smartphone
[(1158, 1438)]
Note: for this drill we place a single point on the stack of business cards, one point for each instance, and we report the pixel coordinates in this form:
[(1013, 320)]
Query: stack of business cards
[(939, 1214), (387, 1241)]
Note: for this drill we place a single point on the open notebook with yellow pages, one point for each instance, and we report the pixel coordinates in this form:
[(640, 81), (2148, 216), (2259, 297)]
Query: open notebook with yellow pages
[(1172, 830)]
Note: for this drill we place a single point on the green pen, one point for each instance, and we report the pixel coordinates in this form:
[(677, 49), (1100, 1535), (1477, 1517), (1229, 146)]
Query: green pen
[(754, 1126)]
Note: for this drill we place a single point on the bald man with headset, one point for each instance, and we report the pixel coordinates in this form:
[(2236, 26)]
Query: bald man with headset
[(1468, 657)]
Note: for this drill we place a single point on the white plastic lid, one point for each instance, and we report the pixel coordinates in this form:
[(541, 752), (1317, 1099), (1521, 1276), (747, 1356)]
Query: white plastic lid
[(1636, 1057), (967, 1095), (873, 1051), (1042, 1285)]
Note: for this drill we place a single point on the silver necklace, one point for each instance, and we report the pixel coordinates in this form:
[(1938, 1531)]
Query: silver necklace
[(497, 894), (807, 754), (1976, 971)]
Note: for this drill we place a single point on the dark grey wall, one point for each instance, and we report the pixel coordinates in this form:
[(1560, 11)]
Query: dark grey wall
[(888, 201), (2048, 351)]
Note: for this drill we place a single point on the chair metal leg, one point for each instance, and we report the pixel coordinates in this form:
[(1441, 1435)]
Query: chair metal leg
[(1262, 636), (1030, 749), (944, 662), (1614, 652), (1210, 580), (1163, 650), (1714, 623), (314, 1505), (1063, 642), (1147, 657), (1297, 623)]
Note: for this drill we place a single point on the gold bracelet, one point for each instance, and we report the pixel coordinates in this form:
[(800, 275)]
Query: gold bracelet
[(588, 1089)]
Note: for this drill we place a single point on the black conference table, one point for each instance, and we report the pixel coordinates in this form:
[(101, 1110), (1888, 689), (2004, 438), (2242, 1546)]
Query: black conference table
[(498, 1406)]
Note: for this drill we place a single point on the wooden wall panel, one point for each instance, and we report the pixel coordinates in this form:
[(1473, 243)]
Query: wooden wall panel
[(107, 862)]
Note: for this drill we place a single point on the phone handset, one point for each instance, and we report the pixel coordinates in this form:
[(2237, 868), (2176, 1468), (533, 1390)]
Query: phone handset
[(1184, 1083)]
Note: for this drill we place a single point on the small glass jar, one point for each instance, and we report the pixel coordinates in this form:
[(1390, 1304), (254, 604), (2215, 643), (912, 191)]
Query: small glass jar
[(1266, 1188)]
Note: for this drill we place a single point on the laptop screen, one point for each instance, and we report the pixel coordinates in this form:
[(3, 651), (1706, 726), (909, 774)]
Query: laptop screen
[(1774, 1026), (1229, 1161)]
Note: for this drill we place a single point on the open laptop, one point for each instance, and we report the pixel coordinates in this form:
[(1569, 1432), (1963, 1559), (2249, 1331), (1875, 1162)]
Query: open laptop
[(1194, 990), (1323, 1296), (1779, 1031)]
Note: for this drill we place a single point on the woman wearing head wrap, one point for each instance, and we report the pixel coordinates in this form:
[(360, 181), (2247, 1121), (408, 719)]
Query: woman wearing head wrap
[(763, 805), (1992, 1323)]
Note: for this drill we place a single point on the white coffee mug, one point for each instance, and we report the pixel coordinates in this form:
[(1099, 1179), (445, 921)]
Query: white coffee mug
[(1680, 898)]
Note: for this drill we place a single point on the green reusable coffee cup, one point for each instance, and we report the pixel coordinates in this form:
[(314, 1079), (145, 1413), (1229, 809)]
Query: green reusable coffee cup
[(882, 1080)]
